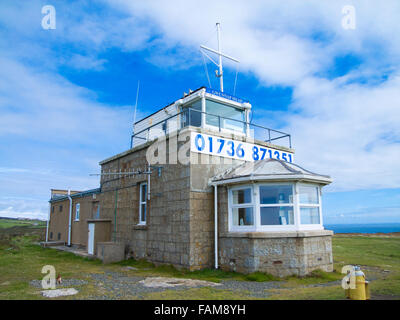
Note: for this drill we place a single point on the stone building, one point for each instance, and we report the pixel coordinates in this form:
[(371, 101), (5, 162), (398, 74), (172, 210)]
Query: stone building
[(201, 187)]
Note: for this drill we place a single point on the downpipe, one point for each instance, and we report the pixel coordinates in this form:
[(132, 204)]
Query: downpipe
[(70, 218)]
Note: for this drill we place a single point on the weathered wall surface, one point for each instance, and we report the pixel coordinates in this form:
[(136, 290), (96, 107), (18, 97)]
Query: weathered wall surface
[(281, 256), (58, 223)]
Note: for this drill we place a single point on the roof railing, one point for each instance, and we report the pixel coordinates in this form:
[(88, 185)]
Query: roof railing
[(192, 117)]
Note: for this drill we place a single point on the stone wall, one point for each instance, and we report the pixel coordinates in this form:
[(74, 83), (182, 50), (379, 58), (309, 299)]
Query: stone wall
[(279, 254)]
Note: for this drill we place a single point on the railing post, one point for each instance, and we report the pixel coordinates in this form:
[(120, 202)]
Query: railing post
[(189, 119), (219, 123), (290, 141)]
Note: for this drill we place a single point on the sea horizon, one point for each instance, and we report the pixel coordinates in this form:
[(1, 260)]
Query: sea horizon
[(387, 227)]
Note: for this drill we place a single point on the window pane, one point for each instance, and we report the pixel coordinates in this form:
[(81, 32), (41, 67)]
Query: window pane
[(308, 194), (143, 213), (309, 215), (143, 192), (276, 216), (241, 196), (195, 114), (242, 217), (276, 194), (224, 111)]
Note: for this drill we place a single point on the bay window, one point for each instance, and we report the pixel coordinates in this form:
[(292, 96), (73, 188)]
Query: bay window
[(242, 207), (274, 207)]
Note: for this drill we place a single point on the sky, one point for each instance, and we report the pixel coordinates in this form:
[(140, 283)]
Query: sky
[(67, 94)]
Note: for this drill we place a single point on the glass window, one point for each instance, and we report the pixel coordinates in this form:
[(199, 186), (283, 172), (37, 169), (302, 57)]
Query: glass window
[(276, 194), (309, 215), (241, 196), (218, 112), (277, 215), (308, 195), (143, 203), (242, 216), (192, 117), (77, 211)]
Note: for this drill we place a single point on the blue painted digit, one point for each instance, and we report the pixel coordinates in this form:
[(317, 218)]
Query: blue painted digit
[(232, 151), (270, 154), (222, 142), (240, 151), (290, 157), (284, 156), (263, 150), (255, 153), (276, 153), (196, 142), (211, 141)]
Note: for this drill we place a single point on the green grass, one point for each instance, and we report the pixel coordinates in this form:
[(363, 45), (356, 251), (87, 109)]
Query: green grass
[(9, 223), (21, 261)]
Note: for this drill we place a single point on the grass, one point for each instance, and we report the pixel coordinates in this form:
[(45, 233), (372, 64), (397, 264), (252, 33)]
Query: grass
[(21, 261), (9, 223)]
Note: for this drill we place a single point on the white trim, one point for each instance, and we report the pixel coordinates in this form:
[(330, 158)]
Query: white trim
[(256, 205), (142, 222)]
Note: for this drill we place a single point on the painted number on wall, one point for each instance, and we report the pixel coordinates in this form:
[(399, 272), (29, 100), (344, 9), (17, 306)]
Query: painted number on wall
[(203, 143)]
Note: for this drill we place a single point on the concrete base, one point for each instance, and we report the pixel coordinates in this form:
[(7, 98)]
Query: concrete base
[(110, 252), (279, 254)]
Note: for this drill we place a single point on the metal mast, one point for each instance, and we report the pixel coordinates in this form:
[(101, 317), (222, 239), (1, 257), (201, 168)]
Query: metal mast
[(219, 72)]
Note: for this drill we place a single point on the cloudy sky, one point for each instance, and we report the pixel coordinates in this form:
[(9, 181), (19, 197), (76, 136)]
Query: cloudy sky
[(66, 94)]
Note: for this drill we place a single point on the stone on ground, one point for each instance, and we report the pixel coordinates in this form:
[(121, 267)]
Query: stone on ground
[(163, 282), (59, 292)]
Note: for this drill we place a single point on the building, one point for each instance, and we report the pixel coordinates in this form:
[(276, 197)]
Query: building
[(200, 187)]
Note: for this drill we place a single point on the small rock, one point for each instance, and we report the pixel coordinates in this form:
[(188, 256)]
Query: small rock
[(386, 270), (130, 268), (59, 292)]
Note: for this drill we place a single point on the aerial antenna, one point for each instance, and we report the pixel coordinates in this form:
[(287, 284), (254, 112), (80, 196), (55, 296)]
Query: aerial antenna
[(219, 72), (134, 112)]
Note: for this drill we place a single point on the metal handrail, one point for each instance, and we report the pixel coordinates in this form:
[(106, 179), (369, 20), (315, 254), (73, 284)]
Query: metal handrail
[(188, 110)]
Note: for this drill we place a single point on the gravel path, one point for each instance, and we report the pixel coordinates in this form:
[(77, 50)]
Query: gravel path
[(117, 285)]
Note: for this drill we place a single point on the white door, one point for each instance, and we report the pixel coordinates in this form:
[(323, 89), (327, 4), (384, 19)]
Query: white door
[(91, 239)]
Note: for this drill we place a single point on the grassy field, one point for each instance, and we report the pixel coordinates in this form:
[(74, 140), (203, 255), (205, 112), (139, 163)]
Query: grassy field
[(9, 223), (21, 261)]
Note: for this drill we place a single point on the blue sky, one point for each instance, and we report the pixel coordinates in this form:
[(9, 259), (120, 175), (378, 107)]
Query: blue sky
[(67, 95)]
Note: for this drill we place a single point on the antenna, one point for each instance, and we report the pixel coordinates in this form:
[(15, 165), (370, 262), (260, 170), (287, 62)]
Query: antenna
[(218, 73), (134, 112)]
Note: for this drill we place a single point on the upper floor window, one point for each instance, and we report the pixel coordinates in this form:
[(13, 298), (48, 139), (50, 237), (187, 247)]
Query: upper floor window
[(224, 116), (60, 208), (142, 202), (77, 211)]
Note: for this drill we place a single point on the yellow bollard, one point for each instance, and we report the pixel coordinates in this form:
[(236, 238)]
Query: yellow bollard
[(361, 290)]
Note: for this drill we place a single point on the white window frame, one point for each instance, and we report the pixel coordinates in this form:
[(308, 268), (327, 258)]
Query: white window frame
[(255, 204), (77, 211), (245, 228), (141, 203), (318, 205), (274, 205)]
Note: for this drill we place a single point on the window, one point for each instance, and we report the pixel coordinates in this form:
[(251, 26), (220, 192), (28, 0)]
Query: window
[(275, 206), (142, 203), (77, 211), (192, 117), (272, 210), (59, 236), (309, 204), (51, 235), (242, 207), (218, 112), (60, 208), (52, 209)]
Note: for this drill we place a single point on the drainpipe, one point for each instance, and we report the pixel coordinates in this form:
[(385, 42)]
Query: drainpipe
[(70, 218), (47, 225), (216, 225)]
